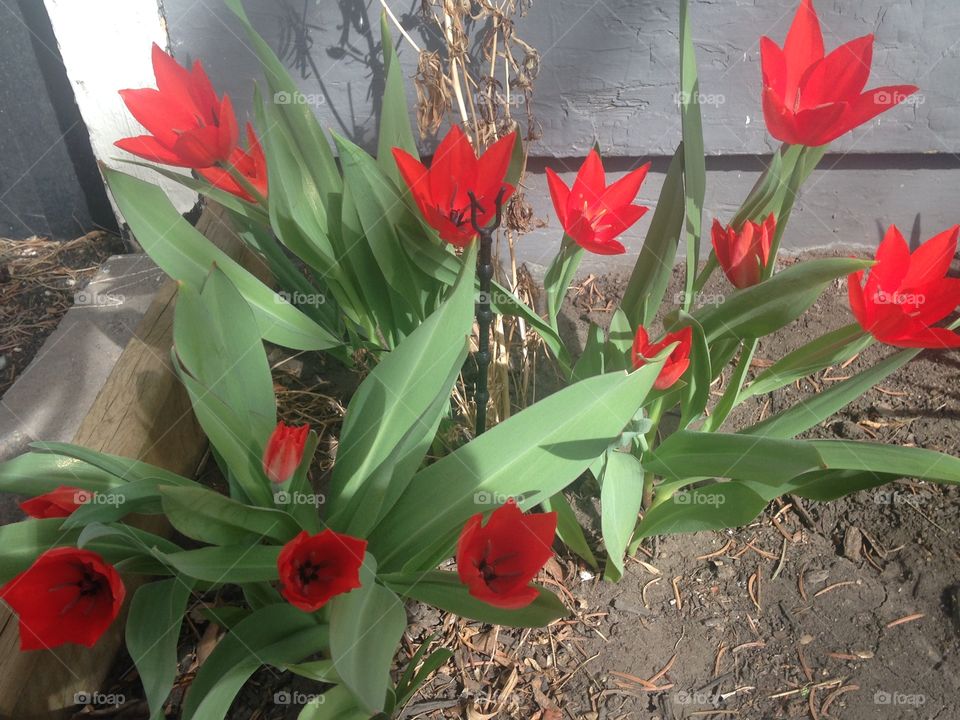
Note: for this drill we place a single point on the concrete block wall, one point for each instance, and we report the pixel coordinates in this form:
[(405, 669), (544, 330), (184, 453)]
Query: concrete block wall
[(609, 75)]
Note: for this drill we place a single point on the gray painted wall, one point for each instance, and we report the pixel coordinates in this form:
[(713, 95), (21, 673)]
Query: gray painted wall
[(609, 74)]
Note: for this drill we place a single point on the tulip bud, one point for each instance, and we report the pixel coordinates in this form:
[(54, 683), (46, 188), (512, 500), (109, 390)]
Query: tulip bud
[(284, 451)]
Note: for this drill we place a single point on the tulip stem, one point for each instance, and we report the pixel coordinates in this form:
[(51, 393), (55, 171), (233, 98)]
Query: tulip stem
[(247, 186), (484, 314)]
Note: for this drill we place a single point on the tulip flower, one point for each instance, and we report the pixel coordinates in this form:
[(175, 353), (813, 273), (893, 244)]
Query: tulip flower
[(59, 503), (592, 213), (442, 191), (906, 293), (498, 560), (812, 99), (284, 451), (250, 163), (315, 568), (66, 596), (743, 255), (677, 362), (188, 125)]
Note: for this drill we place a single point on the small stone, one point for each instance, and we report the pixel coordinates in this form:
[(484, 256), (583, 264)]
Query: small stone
[(852, 543), (806, 639)]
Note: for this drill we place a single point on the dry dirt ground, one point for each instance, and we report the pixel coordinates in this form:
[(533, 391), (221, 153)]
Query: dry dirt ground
[(847, 610)]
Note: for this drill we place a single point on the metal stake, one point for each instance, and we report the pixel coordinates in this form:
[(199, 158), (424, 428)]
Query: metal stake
[(484, 315)]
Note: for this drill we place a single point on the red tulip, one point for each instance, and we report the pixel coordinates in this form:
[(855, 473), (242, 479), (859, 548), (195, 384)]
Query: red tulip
[(677, 362), (66, 596), (59, 503), (905, 293), (251, 163), (743, 255), (592, 213), (284, 451), (809, 99), (314, 568), (498, 560), (441, 192), (188, 125)]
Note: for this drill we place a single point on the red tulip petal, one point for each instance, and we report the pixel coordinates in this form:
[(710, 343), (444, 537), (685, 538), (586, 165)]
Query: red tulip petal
[(560, 194), (841, 75), (773, 66), (892, 263), (934, 301), (203, 94), (173, 80), (803, 47), (158, 115), (416, 176), (931, 261), (590, 183), (721, 243), (615, 222), (856, 298), (147, 147), (780, 119), (873, 102), (623, 192), (453, 170), (822, 125), (492, 167), (229, 131), (601, 247)]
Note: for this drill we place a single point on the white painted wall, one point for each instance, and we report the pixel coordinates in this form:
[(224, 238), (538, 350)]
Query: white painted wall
[(105, 45)]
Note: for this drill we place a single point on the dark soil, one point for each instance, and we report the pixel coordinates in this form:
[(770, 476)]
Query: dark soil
[(848, 610), (38, 281)]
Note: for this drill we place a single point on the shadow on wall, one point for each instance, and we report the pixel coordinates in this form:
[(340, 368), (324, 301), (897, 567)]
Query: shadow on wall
[(358, 41)]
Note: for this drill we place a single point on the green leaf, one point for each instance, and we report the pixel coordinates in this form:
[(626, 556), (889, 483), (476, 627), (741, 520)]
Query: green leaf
[(714, 507), (445, 591), (21, 543), (696, 394), (831, 349), (186, 255), (123, 469), (335, 704), (694, 161), (216, 339), (37, 473), (275, 635), (366, 625), (689, 454), (568, 529), (592, 360), (382, 210), (395, 130), (209, 517), (410, 683), (731, 394), (764, 308), (299, 118), (393, 416), (560, 275), (533, 454), (235, 564), (621, 495), (651, 274), (814, 410), (153, 629)]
